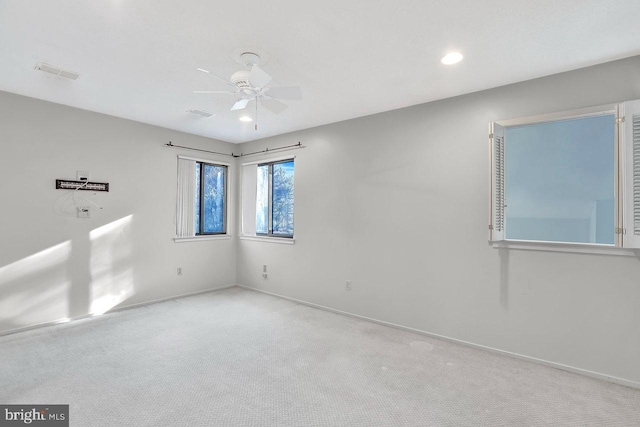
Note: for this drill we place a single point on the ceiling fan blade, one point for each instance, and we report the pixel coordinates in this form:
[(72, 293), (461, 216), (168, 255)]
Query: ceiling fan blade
[(240, 104), (276, 107), (225, 81), (215, 91), (289, 92), (258, 77)]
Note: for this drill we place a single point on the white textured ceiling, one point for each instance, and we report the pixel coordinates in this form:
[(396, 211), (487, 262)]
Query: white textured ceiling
[(137, 58)]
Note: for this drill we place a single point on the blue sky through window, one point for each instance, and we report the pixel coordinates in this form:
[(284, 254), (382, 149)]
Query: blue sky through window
[(559, 181)]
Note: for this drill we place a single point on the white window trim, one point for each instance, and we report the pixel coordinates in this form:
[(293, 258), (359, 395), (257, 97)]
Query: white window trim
[(622, 177), (269, 239), (202, 238), (203, 160), (598, 110), (574, 248), (269, 160)]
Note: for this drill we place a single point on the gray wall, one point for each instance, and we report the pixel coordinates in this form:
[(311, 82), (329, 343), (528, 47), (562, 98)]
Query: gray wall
[(54, 265), (398, 204)]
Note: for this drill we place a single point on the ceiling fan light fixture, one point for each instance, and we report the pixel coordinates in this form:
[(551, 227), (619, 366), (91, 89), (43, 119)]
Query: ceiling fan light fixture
[(252, 85), (451, 58)]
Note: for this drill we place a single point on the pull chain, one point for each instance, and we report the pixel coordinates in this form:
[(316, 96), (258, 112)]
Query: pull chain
[(256, 125)]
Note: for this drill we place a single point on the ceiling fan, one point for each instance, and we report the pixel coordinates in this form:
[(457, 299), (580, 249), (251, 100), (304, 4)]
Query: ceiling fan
[(251, 84)]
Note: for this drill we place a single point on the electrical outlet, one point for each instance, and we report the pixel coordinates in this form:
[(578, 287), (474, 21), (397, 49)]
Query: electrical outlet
[(264, 271), (84, 213), (179, 271), (347, 285)]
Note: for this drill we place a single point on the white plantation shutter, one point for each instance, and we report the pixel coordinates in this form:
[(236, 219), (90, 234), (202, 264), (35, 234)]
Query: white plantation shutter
[(635, 124), (496, 221), (186, 198), (630, 134)]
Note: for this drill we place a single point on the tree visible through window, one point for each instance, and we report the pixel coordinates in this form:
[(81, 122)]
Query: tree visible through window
[(210, 199), (274, 199)]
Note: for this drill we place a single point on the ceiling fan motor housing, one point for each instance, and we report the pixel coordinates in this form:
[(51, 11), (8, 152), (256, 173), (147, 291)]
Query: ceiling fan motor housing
[(241, 79)]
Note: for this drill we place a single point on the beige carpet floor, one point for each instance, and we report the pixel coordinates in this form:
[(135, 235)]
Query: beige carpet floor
[(241, 358)]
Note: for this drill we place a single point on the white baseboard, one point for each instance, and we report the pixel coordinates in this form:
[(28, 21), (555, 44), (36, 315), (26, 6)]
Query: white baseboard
[(573, 369), (140, 304), (116, 309)]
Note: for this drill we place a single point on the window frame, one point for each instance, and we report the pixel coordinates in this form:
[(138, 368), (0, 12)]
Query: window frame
[(269, 232), (202, 164), (184, 206), (497, 236)]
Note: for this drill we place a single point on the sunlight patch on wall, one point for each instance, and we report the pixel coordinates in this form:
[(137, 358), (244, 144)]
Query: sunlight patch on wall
[(35, 289), (111, 271)]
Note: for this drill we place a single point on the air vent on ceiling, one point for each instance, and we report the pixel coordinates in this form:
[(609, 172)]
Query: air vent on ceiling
[(41, 66), (199, 112)]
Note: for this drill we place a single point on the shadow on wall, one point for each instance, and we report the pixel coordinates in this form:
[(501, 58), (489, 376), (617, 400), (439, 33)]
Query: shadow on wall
[(504, 277), (36, 289)]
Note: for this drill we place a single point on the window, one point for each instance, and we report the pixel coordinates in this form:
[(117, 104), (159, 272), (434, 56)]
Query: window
[(210, 199), (559, 180), (202, 193), (268, 200), (568, 178), (274, 199)]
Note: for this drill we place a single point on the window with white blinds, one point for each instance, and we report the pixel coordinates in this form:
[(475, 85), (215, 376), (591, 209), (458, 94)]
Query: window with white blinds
[(201, 202), (268, 198), (569, 178)]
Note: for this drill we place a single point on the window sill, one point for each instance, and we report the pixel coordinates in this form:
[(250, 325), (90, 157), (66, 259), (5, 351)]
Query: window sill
[(281, 240), (202, 238), (576, 248)]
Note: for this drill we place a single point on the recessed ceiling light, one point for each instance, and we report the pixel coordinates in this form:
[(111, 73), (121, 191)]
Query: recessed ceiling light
[(451, 58), (245, 119)]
